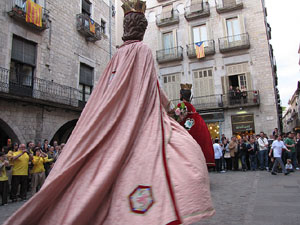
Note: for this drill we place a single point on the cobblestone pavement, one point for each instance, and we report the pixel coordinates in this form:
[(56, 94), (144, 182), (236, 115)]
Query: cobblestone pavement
[(242, 198)]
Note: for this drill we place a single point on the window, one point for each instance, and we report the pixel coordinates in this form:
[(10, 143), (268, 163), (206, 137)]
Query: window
[(200, 34), (229, 3), (203, 82), (168, 40), (85, 82), (103, 26), (167, 11), (172, 85), (233, 29), (23, 63), (86, 7), (196, 5)]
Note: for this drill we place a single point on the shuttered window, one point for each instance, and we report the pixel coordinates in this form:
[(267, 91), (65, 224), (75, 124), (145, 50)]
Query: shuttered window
[(86, 7), (23, 51), (167, 11), (86, 75), (85, 82), (172, 85)]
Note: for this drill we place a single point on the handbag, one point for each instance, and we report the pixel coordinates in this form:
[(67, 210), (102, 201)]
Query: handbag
[(227, 155)]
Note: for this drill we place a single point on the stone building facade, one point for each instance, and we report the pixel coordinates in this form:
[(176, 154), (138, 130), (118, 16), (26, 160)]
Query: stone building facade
[(235, 35), (291, 117), (49, 64)]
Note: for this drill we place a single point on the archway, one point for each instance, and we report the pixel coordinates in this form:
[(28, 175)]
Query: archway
[(6, 133), (64, 132)]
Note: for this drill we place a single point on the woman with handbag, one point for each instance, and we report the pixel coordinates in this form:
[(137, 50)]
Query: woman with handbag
[(227, 155)]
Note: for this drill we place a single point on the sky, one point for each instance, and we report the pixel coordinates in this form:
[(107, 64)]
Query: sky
[(284, 19)]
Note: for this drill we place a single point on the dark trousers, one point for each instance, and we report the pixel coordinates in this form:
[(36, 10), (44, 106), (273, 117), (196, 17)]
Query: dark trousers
[(235, 162), (218, 165), (15, 182), (243, 159), (294, 159), (228, 163), (4, 191), (253, 161)]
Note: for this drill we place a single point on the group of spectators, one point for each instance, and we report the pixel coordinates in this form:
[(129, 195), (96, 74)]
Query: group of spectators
[(253, 152), (24, 168), (237, 95)]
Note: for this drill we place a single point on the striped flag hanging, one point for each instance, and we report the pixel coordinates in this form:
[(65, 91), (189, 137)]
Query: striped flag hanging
[(33, 13), (200, 49), (92, 26)]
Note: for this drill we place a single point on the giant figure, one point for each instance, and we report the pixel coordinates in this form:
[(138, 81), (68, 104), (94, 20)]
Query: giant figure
[(126, 162), (196, 126)]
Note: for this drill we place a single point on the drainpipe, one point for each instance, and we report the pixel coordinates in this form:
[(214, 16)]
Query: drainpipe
[(109, 24)]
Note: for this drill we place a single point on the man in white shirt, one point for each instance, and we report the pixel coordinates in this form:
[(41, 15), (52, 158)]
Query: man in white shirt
[(277, 147), (218, 155), (263, 151)]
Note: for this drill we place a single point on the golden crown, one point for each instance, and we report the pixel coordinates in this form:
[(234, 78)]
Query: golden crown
[(186, 86), (133, 6)]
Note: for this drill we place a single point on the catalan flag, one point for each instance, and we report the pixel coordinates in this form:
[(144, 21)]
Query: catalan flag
[(200, 49), (33, 13), (92, 26)]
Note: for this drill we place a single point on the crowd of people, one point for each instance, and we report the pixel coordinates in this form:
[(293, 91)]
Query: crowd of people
[(258, 152), (24, 168)]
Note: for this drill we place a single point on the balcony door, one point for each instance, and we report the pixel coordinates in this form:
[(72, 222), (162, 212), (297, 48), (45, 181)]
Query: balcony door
[(86, 80), (204, 88), (200, 34), (168, 43), (22, 66), (238, 81), (167, 12), (233, 29), (196, 5), (171, 85), (229, 3)]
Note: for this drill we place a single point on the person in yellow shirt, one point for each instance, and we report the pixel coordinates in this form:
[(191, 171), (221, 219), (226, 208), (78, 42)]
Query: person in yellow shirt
[(3, 178), (38, 170), (20, 172)]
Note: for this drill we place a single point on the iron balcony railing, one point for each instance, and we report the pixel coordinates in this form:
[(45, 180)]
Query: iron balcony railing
[(223, 6), (39, 89), (235, 42), (169, 55), (167, 18), (196, 11), (88, 27), (223, 101), (18, 10), (209, 49)]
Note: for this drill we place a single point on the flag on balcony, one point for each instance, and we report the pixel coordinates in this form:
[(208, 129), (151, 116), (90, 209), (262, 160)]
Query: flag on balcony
[(92, 26), (33, 13), (200, 49)]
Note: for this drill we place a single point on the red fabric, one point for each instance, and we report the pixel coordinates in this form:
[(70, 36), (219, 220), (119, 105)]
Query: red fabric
[(200, 133)]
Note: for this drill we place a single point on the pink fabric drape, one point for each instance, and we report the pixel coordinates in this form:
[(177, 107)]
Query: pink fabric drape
[(116, 146)]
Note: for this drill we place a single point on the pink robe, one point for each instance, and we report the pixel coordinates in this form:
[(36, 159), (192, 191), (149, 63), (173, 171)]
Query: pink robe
[(116, 168)]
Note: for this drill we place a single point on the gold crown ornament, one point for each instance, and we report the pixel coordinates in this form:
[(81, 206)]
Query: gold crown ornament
[(186, 86), (133, 6)]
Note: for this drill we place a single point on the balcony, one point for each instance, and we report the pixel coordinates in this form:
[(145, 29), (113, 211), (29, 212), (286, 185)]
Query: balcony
[(227, 101), (236, 42), (209, 49), (224, 6), (18, 12), (37, 90), (197, 11), (243, 99), (167, 18), (169, 55), (88, 27)]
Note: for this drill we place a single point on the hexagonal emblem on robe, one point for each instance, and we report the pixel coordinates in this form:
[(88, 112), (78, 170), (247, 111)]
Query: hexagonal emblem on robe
[(141, 199)]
